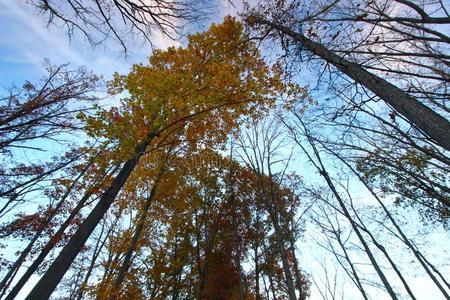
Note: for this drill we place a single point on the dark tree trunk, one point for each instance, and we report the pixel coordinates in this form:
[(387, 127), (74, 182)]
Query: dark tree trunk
[(48, 246), (47, 284)]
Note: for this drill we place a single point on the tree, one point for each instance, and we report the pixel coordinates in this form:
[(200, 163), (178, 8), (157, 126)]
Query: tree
[(196, 235), (203, 88), (47, 109), (41, 223), (426, 119), (41, 112), (412, 177), (259, 147), (353, 214)]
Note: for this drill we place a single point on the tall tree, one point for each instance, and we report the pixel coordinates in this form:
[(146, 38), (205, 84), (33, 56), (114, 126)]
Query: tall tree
[(204, 88), (259, 146), (298, 25)]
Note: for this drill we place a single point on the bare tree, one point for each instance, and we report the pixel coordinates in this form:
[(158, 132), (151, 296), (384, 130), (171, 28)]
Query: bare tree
[(370, 43), (47, 109), (353, 214), (97, 21), (41, 112), (258, 147)]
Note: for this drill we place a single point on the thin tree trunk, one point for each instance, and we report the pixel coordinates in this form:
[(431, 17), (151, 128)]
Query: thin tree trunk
[(19, 261), (266, 288), (281, 237), (284, 259), (360, 237), (269, 201), (321, 168), (134, 241), (240, 276), (272, 286), (257, 288), (176, 272), (47, 284), (97, 250), (424, 118), (255, 247), (352, 267), (47, 248), (405, 239), (298, 275)]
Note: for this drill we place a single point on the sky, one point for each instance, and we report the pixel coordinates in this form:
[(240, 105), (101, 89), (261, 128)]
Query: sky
[(26, 41)]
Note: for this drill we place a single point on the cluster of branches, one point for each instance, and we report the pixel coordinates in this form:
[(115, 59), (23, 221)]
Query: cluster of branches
[(192, 229), (231, 80), (397, 59), (344, 219), (37, 114), (363, 52), (97, 21), (45, 110)]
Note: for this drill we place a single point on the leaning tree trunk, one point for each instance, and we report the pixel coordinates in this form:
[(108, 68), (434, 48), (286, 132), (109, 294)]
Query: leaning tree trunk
[(403, 236), (50, 245), (47, 284), (4, 284), (428, 121)]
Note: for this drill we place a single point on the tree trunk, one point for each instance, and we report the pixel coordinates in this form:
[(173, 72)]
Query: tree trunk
[(48, 246), (96, 253), (280, 235), (428, 121), (284, 260), (298, 275), (137, 234), (257, 288), (47, 284), (20, 260), (321, 168), (404, 238)]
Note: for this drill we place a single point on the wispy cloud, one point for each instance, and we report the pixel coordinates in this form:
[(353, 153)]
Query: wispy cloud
[(29, 40)]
